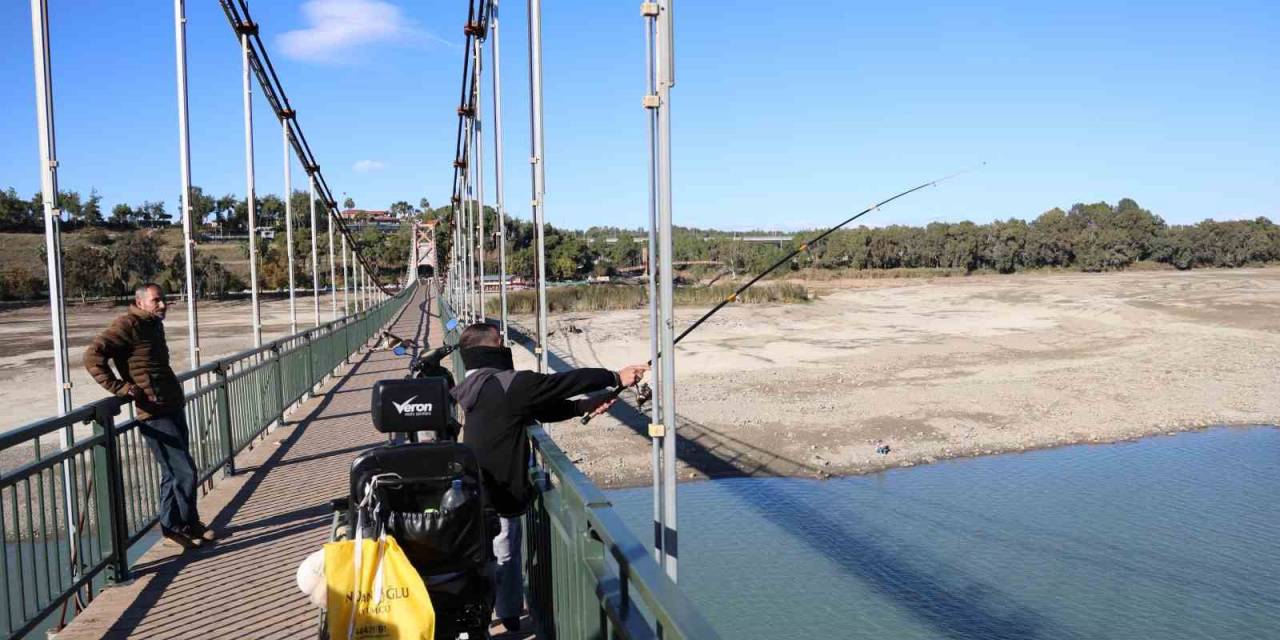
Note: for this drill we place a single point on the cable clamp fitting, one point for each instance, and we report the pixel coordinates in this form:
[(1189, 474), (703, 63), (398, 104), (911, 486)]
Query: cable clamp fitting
[(733, 297), (53, 164), (657, 430), (67, 385), (649, 9), (250, 28), (652, 101)]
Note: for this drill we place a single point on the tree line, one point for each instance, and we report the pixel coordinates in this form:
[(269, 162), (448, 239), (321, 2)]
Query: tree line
[(110, 255), (107, 265), (227, 214), (1086, 237)]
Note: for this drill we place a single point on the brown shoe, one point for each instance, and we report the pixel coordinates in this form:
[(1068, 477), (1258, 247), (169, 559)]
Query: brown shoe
[(179, 539), (202, 531)]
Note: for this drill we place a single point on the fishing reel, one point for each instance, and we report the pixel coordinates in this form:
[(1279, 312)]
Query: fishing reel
[(643, 391)]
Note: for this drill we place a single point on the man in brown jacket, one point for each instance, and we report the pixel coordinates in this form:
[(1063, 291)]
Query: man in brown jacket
[(135, 344)]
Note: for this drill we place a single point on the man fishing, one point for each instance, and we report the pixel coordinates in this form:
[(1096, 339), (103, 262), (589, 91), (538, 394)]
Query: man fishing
[(498, 403)]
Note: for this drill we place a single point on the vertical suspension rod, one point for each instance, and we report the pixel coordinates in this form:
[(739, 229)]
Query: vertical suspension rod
[(315, 260), (184, 166), (665, 68), (53, 255), (538, 174), (655, 418), (346, 280), (251, 194), (478, 171), (495, 73), (288, 227), (333, 271)]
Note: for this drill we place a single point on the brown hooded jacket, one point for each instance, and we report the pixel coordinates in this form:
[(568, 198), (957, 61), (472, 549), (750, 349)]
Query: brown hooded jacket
[(135, 344)]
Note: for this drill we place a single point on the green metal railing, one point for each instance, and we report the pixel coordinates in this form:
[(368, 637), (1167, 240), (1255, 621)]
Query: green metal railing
[(586, 574), (106, 481)]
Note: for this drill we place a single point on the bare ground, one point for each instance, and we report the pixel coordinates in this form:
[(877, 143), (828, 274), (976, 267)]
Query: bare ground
[(938, 369), (27, 390)]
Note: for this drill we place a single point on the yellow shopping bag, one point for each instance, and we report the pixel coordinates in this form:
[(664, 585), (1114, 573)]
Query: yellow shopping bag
[(374, 593)]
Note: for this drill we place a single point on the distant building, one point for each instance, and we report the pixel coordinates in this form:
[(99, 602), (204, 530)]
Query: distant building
[(492, 282), (361, 218)]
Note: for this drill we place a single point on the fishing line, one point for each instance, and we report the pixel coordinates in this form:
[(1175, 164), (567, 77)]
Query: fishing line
[(805, 246)]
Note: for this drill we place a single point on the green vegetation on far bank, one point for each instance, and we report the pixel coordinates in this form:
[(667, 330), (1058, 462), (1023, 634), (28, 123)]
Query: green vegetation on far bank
[(609, 297), (1085, 237), (106, 255)]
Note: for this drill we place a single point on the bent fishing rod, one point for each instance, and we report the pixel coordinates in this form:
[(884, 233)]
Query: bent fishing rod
[(645, 393)]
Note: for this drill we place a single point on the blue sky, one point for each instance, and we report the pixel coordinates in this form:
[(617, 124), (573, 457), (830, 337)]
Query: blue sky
[(784, 116)]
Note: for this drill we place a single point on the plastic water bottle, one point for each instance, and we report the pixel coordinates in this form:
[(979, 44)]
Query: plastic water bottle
[(454, 497)]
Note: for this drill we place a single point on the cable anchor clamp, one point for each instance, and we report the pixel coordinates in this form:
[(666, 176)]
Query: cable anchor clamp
[(649, 9), (657, 430), (652, 101)]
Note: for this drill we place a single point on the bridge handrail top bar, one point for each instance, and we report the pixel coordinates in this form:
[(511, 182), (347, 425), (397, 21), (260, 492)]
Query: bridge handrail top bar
[(83, 414)]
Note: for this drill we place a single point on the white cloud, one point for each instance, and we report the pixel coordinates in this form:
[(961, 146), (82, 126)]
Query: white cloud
[(338, 29), (368, 166)]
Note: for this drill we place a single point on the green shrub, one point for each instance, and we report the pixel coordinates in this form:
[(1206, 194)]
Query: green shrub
[(608, 297)]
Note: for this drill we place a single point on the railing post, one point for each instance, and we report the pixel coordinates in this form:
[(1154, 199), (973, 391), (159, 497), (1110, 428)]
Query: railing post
[(109, 497), (311, 364), (278, 377), (222, 395)]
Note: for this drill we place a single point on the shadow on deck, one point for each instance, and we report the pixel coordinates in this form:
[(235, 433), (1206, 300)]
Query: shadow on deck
[(273, 513)]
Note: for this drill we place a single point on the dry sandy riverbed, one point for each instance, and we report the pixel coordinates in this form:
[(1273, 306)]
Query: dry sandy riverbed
[(27, 390), (942, 368)]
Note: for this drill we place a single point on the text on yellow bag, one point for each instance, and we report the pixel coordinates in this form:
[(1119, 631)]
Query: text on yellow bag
[(391, 606)]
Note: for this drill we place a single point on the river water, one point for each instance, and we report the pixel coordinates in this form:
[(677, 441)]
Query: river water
[(1167, 537)]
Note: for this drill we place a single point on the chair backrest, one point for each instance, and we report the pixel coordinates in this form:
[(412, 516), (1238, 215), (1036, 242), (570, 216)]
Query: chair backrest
[(413, 479), (411, 404)]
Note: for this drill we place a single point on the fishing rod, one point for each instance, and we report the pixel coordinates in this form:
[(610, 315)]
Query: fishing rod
[(644, 393)]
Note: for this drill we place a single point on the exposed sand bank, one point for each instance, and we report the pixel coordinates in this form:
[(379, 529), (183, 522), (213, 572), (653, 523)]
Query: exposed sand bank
[(937, 369), (27, 390)]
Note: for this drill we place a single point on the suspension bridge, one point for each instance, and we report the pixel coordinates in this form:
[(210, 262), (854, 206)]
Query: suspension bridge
[(274, 428)]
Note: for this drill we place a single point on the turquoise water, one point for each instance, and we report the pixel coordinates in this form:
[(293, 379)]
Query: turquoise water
[(1168, 537)]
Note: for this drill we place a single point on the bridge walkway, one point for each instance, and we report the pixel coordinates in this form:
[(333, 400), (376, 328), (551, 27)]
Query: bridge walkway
[(274, 512)]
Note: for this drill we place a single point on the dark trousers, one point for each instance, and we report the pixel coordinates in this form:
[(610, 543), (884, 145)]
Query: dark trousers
[(169, 440)]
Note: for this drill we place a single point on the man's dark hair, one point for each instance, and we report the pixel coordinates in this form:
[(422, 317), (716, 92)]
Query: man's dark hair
[(142, 289), (480, 334)]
